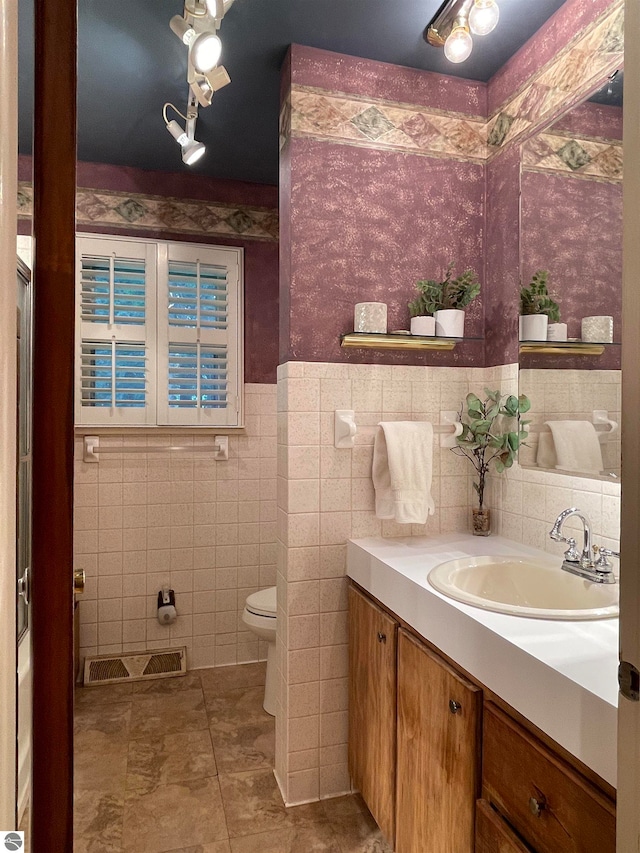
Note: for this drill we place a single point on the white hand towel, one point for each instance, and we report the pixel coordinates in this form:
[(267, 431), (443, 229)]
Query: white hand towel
[(402, 471), (577, 446), (546, 455)]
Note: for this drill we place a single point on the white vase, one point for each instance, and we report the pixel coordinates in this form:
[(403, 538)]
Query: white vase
[(533, 327), (425, 326), (450, 323), (557, 332)]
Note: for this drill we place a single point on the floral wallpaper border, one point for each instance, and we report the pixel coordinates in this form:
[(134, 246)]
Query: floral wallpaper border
[(374, 123), (586, 158), (160, 213)]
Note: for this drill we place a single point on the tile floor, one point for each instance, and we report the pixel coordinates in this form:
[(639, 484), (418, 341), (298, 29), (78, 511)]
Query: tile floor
[(185, 765)]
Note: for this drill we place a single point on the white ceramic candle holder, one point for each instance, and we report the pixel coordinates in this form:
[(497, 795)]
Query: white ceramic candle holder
[(597, 329), (370, 317)]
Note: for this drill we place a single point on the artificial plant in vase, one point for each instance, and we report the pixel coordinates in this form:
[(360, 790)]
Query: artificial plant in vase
[(492, 432), (447, 299), (537, 308)]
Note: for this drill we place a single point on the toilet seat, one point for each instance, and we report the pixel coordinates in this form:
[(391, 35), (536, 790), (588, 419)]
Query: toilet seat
[(263, 603)]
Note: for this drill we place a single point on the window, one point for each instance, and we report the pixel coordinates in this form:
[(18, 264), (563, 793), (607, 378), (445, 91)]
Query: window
[(159, 334)]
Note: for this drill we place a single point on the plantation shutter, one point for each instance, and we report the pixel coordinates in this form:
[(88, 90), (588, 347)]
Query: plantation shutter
[(199, 335), (115, 327)]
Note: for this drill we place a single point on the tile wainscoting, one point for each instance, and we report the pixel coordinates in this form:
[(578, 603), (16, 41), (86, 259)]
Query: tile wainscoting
[(325, 497), (205, 528)]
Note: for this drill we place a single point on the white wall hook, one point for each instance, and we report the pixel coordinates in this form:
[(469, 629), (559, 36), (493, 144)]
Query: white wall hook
[(345, 428), (450, 418), (221, 448), (601, 416)]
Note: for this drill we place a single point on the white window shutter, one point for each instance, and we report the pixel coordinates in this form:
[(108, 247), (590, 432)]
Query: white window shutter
[(199, 335), (115, 327)]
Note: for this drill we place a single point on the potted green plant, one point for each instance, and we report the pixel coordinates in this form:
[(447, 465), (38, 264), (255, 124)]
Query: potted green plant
[(492, 432), (537, 308), (422, 322), (448, 298)]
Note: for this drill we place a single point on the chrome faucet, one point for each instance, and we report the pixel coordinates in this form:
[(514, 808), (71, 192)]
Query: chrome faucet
[(583, 564)]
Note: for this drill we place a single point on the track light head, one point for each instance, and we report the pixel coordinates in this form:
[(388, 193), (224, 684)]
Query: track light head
[(192, 150), (205, 51)]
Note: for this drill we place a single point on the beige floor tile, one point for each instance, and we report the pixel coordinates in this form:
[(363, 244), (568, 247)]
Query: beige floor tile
[(233, 677), (100, 764), (241, 705), (253, 804), (112, 720), (244, 746), (102, 694), (98, 822), (173, 817), (189, 681), (354, 827), (159, 715), (315, 839), (172, 758)]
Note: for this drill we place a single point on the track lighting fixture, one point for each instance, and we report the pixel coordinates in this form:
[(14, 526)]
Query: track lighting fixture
[(197, 29), (454, 22)]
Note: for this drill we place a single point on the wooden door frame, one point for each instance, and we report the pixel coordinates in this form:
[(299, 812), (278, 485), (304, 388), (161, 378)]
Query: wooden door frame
[(54, 182)]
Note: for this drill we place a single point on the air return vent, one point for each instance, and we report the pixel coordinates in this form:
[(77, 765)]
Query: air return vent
[(161, 663)]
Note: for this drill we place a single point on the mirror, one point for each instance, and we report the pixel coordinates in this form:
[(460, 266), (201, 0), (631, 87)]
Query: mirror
[(571, 226)]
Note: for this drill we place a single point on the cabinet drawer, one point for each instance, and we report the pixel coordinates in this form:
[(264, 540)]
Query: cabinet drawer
[(546, 801), (493, 834)]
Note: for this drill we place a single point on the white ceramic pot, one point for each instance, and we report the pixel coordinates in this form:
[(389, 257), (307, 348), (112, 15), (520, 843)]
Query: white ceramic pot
[(423, 326), (533, 327), (450, 323), (557, 332)]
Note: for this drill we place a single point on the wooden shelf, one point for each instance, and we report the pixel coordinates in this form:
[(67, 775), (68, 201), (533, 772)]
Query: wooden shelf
[(370, 340), (563, 347)]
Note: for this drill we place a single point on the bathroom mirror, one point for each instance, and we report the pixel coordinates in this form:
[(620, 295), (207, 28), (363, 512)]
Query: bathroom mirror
[(571, 227)]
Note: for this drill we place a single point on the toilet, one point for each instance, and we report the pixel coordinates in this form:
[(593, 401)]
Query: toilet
[(259, 616)]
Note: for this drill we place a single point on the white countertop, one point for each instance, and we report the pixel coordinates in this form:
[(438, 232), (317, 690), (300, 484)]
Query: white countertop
[(562, 676)]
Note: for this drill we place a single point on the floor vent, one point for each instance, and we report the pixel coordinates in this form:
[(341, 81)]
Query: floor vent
[(107, 669)]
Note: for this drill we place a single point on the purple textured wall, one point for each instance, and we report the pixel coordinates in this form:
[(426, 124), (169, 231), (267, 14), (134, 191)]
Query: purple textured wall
[(591, 120), (336, 72), (502, 258), (573, 228), (365, 225), (260, 257), (550, 39)]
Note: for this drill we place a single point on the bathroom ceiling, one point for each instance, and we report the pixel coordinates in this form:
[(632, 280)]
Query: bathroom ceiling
[(130, 63)]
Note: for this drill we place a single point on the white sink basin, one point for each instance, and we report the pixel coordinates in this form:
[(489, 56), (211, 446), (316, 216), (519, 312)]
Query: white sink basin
[(524, 586)]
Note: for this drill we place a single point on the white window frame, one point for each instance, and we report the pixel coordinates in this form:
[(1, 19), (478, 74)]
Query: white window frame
[(158, 334)]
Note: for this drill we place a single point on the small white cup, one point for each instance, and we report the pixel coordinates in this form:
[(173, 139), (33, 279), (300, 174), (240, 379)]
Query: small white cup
[(423, 326), (557, 332)]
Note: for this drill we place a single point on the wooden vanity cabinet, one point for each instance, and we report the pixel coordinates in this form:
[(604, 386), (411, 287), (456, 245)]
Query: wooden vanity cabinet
[(372, 708), (549, 805), (438, 770), (493, 834)]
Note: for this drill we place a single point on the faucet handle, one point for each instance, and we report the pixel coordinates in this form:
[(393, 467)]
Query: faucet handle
[(601, 562), (572, 554)]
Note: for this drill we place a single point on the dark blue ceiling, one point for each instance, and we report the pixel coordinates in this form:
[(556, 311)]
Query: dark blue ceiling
[(130, 63)]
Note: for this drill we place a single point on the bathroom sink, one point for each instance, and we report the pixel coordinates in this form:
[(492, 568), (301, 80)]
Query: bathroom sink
[(524, 586)]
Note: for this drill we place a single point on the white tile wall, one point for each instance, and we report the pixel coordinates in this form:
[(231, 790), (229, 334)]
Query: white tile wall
[(325, 497), (205, 528)]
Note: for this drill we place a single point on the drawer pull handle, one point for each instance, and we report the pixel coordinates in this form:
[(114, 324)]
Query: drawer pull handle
[(536, 807), (382, 638), (454, 706)]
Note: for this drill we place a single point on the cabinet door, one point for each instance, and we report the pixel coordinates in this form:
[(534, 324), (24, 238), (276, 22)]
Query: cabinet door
[(372, 707), (439, 717), (493, 834)]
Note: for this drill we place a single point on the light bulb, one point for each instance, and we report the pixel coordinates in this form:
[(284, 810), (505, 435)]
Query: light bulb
[(205, 52), (192, 152), (483, 17), (459, 44)]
